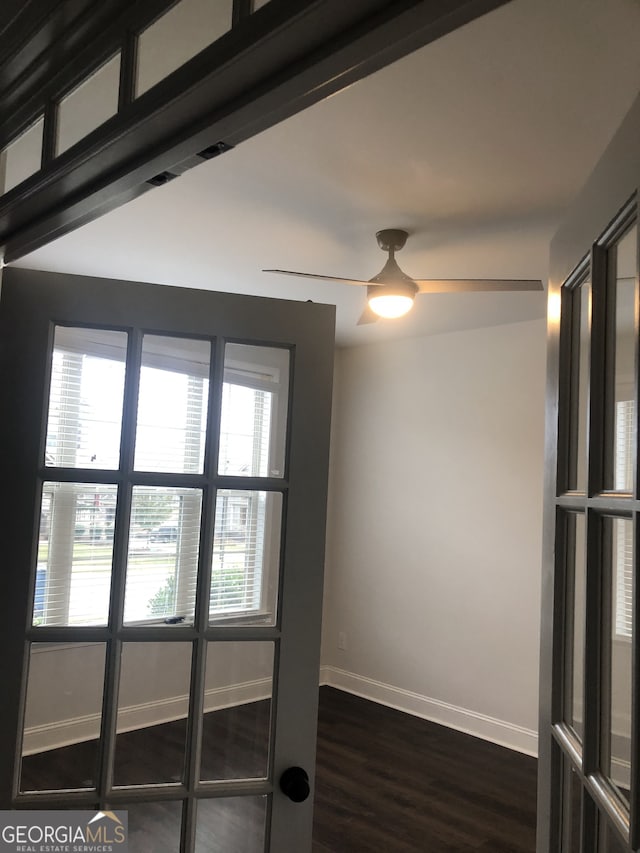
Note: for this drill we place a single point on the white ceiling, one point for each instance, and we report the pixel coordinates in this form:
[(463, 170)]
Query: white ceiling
[(474, 144)]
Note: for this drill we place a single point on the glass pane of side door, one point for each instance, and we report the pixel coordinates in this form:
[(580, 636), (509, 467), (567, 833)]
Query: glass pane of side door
[(620, 390), (571, 808), (575, 622), (617, 663), (579, 297)]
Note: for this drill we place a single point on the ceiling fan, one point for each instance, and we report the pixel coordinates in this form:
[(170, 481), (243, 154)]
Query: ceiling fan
[(391, 293)]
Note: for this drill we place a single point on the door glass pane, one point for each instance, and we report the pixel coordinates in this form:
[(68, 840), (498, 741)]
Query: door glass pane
[(154, 827), (162, 559), (582, 295), (618, 655), (153, 702), (608, 839), (62, 716), (245, 567), (85, 398), (75, 552), (172, 404), (231, 823), (176, 37), (571, 808), (237, 711), (575, 617), (89, 104), (255, 399), (622, 275), (22, 157)]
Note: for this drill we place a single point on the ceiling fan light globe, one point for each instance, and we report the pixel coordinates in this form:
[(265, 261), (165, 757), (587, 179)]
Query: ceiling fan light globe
[(391, 298), (390, 305)]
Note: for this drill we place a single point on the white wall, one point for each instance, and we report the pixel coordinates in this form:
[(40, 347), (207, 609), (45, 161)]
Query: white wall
[(435, 521), (64, 695)]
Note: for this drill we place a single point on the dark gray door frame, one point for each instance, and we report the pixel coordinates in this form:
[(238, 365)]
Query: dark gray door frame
[(271, 64)]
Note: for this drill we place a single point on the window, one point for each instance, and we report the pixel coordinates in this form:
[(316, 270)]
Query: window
[(75, 553), (78, 519)]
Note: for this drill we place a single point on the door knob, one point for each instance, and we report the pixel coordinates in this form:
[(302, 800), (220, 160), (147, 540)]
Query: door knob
[(294, 782)]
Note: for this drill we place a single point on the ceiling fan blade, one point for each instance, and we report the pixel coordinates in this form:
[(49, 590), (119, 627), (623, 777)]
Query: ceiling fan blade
[(469, 285), (322, 277), (368, 316)]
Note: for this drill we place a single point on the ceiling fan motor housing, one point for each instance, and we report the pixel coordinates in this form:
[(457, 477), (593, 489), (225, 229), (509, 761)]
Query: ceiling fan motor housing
[(391, 239), (391, 277)]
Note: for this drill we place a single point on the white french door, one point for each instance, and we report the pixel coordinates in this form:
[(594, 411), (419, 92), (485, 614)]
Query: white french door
[(163, 537)]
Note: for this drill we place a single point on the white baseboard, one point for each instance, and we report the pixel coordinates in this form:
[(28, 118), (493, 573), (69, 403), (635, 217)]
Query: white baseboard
[(463, 720), (66, 732), (60, 733), (325, 675)]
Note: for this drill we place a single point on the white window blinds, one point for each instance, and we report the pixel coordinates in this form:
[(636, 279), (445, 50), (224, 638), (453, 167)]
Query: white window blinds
[(624, 433), (78, 519)]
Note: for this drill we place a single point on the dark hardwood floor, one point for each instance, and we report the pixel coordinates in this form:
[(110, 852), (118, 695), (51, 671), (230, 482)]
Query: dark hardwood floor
[(385, 782)]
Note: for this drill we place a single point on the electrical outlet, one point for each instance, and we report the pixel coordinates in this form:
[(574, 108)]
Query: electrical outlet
[(342, 641)]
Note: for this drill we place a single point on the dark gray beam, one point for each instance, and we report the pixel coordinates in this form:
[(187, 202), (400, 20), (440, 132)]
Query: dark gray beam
[(273, 64)]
